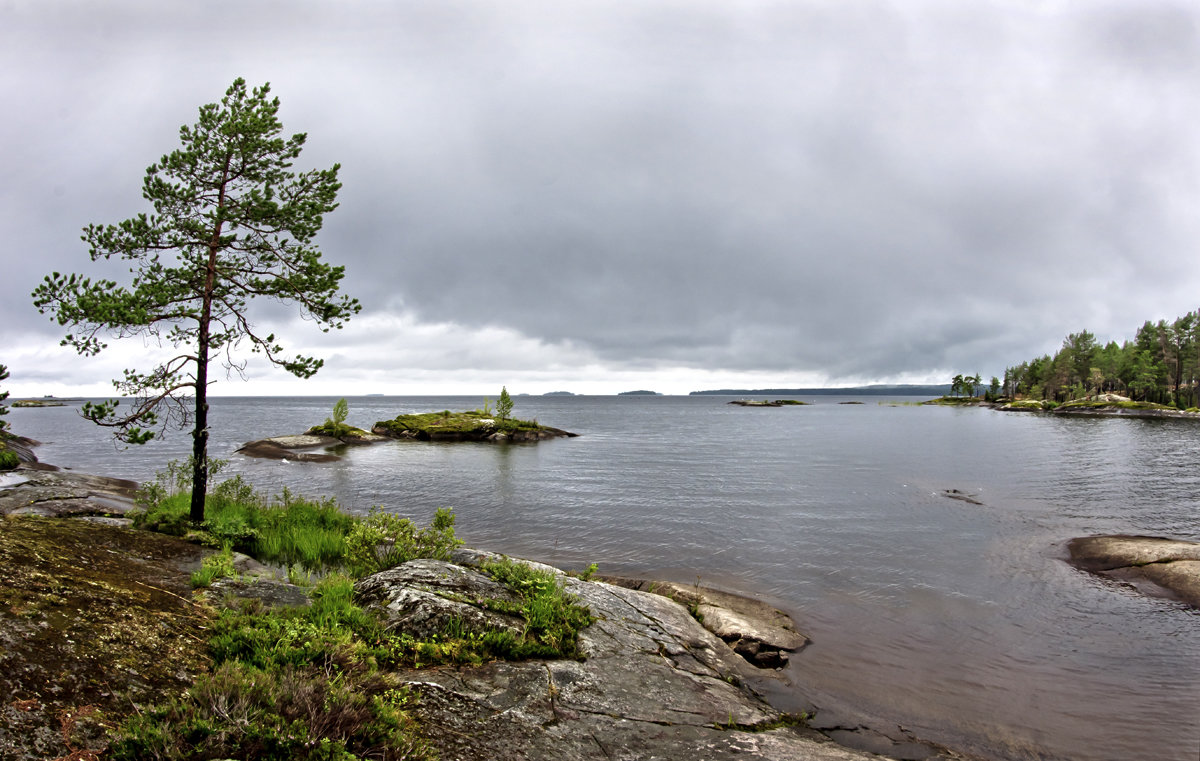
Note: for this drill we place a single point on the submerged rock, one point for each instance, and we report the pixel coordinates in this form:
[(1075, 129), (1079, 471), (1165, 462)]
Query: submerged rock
[(1163, 567)]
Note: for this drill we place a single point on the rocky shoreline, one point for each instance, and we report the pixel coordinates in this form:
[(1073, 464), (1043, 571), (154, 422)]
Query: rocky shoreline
[(653, 682), (668, 669)]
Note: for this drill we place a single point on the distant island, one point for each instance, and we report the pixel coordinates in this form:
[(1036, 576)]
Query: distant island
[(639, 393), (876, 390), (558, 393)]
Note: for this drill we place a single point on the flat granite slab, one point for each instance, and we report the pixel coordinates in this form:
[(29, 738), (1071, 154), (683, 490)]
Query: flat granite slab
[(1163, 567), (60, 493)]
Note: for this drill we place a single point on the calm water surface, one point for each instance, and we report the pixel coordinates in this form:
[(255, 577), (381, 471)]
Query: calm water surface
[(960, 622)]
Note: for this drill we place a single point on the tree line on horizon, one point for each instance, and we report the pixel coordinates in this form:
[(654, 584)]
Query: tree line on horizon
[(1161, 364)]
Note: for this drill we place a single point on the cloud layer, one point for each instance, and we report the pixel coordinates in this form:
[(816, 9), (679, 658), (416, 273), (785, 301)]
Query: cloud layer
[(611, 195)]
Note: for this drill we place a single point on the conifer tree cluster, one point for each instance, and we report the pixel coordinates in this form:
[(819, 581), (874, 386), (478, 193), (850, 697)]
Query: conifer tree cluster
[(1161, 364)]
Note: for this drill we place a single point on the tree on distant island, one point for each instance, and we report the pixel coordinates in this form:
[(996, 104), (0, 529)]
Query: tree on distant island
[(231, 222), (965, 385), (504, 404), (3, 396), (1161, 365)]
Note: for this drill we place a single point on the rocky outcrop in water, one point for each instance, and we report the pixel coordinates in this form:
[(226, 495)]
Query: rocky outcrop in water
[(302, 447), (1163, 567)]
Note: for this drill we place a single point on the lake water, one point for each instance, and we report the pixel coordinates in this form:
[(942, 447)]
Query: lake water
[(959, 622)]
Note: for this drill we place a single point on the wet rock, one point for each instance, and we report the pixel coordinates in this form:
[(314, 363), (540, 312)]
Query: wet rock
[(961, 496), (272, 593), (653, 684), (23, 448), (298, 448), (761, 634), (58, 493), (1164, 567), (291, 448)]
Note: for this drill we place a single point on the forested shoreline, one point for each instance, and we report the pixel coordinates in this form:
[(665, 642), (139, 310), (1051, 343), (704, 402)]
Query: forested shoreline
[(1161, 365)]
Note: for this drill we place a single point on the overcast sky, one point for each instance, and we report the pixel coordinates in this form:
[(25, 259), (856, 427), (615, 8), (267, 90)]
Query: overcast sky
[(626, 194)]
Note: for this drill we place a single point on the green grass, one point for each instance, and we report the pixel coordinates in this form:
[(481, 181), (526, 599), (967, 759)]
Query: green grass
[(553, 618), (289, 530), (311, 682), (292, 683)]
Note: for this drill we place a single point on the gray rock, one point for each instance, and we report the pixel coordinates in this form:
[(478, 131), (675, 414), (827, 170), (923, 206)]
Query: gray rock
[(425, 597), (1164, 567), (58, 493), (653, 684), (291, 448), (761, 634), (272, 593)]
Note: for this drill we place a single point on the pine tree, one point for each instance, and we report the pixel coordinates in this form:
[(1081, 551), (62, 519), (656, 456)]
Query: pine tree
[(231, 222)]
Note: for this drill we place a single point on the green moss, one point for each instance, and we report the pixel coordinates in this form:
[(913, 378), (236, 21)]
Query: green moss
[(1030, 404), (91, 615), (336, 430), (446, 423)]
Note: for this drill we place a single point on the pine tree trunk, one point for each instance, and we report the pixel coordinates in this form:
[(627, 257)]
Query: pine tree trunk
[(200, 433)]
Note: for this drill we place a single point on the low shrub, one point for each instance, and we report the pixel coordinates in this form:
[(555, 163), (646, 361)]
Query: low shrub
[(300, 683), (384, 540)]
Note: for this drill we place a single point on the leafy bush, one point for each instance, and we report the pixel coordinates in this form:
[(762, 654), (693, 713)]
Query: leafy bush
[(384, 540), (340, 713), (8, 458)]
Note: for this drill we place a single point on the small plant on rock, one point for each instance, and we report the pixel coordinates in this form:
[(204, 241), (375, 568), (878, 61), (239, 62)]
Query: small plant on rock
[(341, 408), (504, 405)]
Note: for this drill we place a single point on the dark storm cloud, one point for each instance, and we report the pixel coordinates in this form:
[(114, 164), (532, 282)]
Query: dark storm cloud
[(853, 191)]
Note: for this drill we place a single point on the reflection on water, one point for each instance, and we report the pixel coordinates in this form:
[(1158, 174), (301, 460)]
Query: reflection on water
[(957, 621)]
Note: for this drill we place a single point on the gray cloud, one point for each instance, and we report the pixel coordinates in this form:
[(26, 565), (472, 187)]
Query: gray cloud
[(842, 192)]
